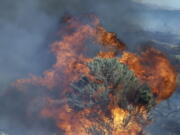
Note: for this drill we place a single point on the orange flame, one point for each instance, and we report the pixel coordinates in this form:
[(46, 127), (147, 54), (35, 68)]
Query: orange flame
[(151, 66), (70, 59)]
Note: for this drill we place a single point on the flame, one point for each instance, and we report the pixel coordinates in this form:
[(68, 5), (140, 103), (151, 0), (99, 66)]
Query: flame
[(151, 66), (70, 59), (74, 123), (109, 38)]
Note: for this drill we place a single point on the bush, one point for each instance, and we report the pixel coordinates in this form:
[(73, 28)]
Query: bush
[(110, 77)]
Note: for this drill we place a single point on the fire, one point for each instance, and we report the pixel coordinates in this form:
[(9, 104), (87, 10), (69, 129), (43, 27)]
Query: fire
[(70, 59), (151, 66)]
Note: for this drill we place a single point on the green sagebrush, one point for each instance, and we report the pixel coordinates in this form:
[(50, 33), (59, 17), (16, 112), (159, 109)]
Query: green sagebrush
[(116, 79)]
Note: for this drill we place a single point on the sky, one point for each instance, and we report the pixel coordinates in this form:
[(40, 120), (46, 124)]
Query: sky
[(160, 16), (163, 4)]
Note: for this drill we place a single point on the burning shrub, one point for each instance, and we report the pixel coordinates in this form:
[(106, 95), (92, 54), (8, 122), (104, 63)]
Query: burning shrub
[(110, 84), (105, 95)]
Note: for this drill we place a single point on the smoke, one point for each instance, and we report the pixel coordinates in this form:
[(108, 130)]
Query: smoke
[(24, 40), (24, 30), (163, 4), (28, 28)]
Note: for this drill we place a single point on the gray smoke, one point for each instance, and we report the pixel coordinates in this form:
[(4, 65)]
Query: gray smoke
[(27, 28)]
